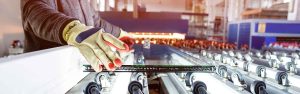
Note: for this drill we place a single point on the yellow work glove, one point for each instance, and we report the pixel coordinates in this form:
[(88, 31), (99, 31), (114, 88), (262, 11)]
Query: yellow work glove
[(95, 45)]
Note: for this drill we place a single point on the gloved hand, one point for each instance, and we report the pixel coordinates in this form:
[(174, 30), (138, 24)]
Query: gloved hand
[(95, 45)]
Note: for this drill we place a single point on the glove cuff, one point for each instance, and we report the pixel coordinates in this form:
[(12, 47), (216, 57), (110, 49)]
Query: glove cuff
[(124, 33), (72, 30)]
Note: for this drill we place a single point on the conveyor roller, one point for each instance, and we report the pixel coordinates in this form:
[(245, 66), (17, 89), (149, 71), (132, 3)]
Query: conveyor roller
[(93, 88), (135, 87), (199, 87)]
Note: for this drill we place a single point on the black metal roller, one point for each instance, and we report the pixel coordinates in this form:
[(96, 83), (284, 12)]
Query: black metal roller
[(140, 59), (93, 88), (240, 76), (221, 70), (199, 87), (135, 86), (188, 79), (289, 66), (280, 75), (141, 78), (245, 67), (100, 75), (259, 70), (258, 87), (272, 62), (135, 75)]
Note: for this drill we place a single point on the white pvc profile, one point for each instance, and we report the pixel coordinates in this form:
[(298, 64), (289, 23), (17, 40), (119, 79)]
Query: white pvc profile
[(52, 71)]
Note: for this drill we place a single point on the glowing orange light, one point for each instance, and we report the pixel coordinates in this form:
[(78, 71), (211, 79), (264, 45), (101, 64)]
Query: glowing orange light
[(150, 35)]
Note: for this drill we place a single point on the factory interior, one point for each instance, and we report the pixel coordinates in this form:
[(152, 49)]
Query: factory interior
[(150, 47)]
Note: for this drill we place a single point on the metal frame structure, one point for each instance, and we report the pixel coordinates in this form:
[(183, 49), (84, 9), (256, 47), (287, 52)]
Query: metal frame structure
[(277, 81), (253, 32)]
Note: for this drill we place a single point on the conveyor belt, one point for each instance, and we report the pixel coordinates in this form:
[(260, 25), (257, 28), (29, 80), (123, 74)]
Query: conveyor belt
[(158, 68)]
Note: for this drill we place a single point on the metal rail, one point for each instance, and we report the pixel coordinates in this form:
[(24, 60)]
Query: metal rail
[(158, 68)]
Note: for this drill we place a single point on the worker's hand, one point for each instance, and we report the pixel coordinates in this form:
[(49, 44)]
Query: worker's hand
[(95, 45), (126, 38)]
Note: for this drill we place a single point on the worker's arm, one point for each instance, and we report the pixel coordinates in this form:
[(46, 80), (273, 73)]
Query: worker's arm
[(46, 22), (109, 28)]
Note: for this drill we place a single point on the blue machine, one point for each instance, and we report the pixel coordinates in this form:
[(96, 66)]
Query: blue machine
[(257, 32), (160, 22)]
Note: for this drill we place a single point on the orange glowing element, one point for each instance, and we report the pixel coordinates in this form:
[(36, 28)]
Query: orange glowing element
[(154, 42), (158, 35), (173, 41), (136, 41)]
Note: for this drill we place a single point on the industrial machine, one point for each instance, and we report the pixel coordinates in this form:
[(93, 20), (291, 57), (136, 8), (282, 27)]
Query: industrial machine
[(264, 33), (159, 68)]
